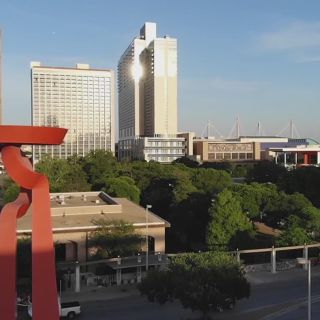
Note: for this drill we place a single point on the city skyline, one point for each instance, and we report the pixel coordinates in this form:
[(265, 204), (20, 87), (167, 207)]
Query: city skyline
[(258, 61)]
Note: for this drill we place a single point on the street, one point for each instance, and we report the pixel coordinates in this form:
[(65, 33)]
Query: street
[(272, 297), (280, 296)]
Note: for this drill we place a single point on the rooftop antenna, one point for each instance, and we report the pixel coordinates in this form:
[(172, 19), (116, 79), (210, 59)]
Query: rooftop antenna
[(235, 130), (291, 129), (260, 132), (210, 128), (238, 126)]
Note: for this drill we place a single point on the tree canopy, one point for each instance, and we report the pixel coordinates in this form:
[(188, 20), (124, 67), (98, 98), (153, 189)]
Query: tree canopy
[(63, 176), (305, 180), (210, 181), (123, 187), (227, 219), (100, 165), (200, 281), (182, 193), (113, 238)]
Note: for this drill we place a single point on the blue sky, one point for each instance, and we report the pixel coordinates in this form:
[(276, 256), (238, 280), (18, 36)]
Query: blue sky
[(259, 60)]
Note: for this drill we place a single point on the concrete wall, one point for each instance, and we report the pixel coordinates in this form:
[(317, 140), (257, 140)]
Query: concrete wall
[(75, 242), (158, 233)]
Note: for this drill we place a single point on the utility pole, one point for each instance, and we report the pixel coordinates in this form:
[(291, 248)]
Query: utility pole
[(148, 206)]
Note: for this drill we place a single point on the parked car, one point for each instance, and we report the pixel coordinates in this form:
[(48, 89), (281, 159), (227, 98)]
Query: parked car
[(66, 309), (70, 309), (228, 303), (225, 303)]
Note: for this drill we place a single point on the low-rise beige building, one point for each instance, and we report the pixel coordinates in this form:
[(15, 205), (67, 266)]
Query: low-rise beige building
[(237, 151), (72, 220)]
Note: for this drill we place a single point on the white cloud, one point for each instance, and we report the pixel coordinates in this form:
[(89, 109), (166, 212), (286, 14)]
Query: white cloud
[(296, 35)]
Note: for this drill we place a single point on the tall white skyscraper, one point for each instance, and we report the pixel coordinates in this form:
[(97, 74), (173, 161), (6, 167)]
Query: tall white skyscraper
[(147, 82), (79, 99)]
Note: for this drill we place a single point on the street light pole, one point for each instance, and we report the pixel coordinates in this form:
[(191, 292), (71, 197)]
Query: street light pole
[(148, 206), (309, 290), (304, 261)]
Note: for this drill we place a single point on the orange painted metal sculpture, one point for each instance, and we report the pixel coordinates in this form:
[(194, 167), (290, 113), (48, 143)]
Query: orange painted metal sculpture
[(35, 190)]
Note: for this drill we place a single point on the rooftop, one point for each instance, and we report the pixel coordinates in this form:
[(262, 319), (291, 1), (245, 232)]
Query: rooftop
[(75, 211), (79, 66)]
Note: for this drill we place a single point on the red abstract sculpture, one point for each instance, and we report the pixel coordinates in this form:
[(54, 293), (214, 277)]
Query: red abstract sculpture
[(35, 190)]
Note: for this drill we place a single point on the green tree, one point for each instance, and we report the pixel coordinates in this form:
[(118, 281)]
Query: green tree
[(226, 166), (170, 186), (123, 187), (240, 171), (293, 236), (305, 180), (63, 176), (254, 197), (113, 238), (11, 191), (266, 171), (100, 165), (76, 180), (279, 208), (187, 162), (227, 219), (200, 281), (310, 219), (210, 181), (189, 220), (56, 171)]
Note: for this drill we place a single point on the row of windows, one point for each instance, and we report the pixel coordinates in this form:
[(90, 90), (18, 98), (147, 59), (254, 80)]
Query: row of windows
[(78, 86), (43, 76), (74, 101), (70, 91), (165, 151), (64, 151), (230, 156), (73, 83), (73, 96), (81, 114), (165, 143), (74, 104)]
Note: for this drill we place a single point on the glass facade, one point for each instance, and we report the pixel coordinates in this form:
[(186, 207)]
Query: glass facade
[(77, 99)]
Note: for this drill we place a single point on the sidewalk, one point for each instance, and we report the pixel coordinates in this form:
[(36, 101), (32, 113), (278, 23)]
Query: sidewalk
[(100, 293), (263, 277), (259, 314)]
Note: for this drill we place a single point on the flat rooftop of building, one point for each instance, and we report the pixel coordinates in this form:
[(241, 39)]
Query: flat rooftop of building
[(303, 148), (80, 199), (263, 137), (81, 67), (78, 214)]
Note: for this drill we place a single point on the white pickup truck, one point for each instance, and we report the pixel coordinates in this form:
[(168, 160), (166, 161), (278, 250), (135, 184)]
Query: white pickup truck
[(66, 309)]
